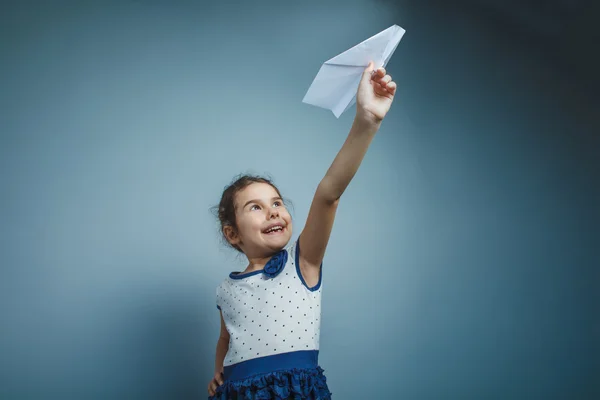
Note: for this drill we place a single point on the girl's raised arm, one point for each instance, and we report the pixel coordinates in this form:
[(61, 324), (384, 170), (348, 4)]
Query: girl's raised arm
[(373, 100)]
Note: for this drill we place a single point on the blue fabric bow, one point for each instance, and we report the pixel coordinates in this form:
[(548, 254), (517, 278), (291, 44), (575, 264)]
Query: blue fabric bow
[(275, 265)]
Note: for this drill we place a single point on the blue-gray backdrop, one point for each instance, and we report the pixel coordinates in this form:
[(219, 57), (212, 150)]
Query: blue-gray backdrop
[(462, 261)]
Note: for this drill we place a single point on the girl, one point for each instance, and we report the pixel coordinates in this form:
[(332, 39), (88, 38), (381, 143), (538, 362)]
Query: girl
[(270, 313)]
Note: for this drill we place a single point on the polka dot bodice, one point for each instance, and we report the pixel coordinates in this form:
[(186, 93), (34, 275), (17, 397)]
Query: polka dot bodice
[(266, 316)]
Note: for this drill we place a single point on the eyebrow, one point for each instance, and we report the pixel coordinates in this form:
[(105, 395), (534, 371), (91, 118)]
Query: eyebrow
[(258, 201)]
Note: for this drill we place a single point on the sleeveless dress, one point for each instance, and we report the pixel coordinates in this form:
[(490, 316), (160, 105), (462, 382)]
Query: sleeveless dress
[(273, 318)]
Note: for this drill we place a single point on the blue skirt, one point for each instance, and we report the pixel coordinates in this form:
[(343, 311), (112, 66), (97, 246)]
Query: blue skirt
[(288, 376)]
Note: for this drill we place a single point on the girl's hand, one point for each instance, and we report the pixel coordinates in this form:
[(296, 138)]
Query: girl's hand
[(216, 381), (375, 94)]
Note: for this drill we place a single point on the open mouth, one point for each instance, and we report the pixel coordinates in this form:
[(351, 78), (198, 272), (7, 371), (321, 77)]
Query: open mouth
[(274, 230)]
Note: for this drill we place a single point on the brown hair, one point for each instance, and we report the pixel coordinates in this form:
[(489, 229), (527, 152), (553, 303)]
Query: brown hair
[(226, 207)]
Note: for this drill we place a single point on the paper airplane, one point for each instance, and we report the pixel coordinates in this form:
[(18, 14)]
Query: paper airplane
[(336, 83)]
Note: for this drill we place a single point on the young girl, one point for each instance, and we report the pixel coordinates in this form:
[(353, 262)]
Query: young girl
[(270, 313)]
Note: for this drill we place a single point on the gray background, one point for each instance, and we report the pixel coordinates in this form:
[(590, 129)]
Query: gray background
[(462, 263)]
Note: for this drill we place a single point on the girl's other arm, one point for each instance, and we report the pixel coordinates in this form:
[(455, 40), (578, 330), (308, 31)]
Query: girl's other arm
[(374, 97), (222, 347)]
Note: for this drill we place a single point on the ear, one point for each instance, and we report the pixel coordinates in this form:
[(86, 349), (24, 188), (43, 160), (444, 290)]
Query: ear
[(231, 234)]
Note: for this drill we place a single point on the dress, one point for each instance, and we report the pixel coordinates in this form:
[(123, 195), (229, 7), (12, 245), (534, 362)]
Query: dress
[(273, 319)]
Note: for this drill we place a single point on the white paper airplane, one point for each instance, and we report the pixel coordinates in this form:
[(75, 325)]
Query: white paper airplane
[(336, 83)]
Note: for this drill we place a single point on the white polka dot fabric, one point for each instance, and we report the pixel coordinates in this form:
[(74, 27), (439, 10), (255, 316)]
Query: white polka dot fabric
[(266, 316)]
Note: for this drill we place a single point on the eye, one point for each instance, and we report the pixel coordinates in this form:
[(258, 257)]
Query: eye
[(277, 203), (255, 207)]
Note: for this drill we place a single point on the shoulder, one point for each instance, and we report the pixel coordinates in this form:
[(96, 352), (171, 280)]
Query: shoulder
[(291, 248), (224, 285)]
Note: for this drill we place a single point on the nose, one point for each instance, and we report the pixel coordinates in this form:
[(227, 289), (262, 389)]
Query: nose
[(273, 213)]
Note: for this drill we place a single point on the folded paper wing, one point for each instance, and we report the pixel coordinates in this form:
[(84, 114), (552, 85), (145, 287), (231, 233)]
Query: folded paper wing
[(336, 83)]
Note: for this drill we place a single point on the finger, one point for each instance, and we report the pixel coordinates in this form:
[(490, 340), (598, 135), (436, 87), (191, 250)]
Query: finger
[(383, 81), (391, 87), (378, 73), (368, 72), (380, 90)]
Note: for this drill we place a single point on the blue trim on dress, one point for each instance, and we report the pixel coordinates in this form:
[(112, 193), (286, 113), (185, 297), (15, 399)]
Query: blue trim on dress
[(271, 269), (261, 365), (318, 285), (239, 275), (218, 306)]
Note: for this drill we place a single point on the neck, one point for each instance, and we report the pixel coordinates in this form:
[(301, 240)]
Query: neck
[(257, 263)]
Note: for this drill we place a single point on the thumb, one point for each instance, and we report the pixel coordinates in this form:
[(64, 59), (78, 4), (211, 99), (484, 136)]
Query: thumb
[(369, 70)]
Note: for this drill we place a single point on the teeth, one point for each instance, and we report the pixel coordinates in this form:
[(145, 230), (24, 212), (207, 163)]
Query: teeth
[(275, 228)]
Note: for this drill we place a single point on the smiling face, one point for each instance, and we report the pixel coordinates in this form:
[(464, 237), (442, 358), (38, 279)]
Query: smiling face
[(264, 225)]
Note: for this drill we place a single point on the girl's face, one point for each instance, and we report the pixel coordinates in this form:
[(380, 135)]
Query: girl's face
[(264, 225)]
